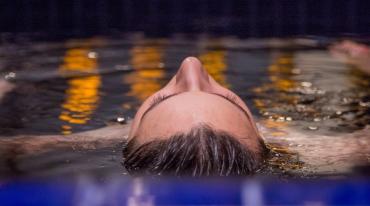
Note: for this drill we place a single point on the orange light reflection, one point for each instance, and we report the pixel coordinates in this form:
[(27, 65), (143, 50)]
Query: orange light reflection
[(214, 63), (82, 94), (146, 61)]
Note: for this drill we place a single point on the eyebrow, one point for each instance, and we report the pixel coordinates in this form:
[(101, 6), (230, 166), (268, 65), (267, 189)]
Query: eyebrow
[(172, 95)]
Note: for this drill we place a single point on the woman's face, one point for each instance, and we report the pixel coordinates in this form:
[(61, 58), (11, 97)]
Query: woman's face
[(193, 97)]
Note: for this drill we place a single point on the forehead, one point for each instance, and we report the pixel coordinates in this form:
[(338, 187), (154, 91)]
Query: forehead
[(182, 112)]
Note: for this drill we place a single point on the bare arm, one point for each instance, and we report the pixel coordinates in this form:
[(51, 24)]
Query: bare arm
[(319, 153), (353, 53), (102, 137)]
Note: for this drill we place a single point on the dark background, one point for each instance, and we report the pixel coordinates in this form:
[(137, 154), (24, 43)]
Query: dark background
[(243, 18)]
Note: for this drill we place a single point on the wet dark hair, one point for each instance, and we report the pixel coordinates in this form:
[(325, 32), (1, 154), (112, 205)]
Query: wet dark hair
[(200, 152)]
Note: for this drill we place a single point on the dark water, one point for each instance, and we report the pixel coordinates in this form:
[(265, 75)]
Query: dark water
[(46, 103), (80, 85)]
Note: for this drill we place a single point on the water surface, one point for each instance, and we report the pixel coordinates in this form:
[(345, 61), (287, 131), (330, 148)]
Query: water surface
[(304, 99)]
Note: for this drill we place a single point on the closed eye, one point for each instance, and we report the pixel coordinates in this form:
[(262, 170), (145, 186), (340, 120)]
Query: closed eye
[(231, 97), (161, 97)]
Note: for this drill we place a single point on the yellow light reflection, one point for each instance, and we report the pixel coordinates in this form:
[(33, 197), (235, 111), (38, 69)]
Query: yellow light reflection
[(281, 76), (147, 62), (280, 72), (214, 63), (82, 94)]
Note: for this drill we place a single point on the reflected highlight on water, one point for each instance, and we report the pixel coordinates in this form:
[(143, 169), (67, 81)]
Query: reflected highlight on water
[(303, 98), (82, 94)]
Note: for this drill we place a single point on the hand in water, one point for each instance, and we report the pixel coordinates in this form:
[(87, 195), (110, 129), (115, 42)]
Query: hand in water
[(352, 53), (5, 87)]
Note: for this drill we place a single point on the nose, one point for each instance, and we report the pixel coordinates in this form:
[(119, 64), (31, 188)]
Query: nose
[(191, 75)]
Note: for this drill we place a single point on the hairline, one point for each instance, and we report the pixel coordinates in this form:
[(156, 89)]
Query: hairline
[(261, 143)]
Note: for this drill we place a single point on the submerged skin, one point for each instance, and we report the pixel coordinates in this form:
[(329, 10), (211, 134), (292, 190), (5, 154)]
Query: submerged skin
[(193, 97), (353, 53)]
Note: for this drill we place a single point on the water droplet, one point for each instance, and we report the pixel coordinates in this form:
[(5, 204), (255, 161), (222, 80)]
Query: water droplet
[(346, 100), (317, 119), (266, 113), (10, 76), (306, 84), (313, 127), (280, 119), (92, 55), (338, 112), (288, 119), (364, 104), (121, 120)]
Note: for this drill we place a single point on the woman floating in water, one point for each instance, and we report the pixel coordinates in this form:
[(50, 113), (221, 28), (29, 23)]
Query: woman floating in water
[(192, 126)]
